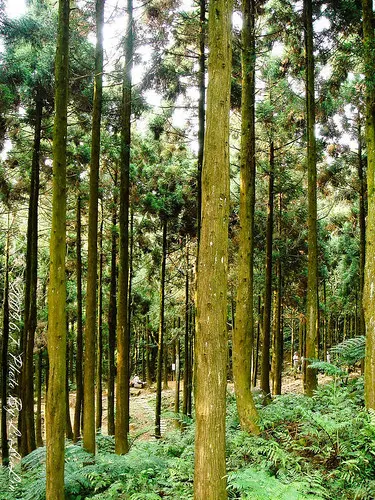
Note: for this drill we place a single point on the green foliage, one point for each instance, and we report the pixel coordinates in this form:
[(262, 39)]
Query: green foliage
[(350, 351)]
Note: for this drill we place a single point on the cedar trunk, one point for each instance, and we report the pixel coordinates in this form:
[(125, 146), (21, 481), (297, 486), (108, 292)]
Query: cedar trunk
[(55, 407), (311, 380), (211, 336), (368, 293), (122, 388)]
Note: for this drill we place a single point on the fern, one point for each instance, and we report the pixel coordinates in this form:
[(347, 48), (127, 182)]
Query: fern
[(350, 351)]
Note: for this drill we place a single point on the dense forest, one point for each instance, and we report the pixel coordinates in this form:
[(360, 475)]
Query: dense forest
[(187, 249)]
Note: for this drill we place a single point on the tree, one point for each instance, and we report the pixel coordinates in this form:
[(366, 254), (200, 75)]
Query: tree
[(211, 334), (311, 380), (123, 340), (244, 325), (55, 408), (368, 293), (91, 296)]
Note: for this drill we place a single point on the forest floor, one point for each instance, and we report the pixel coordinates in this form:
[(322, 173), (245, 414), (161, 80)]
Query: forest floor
[(142, 405)]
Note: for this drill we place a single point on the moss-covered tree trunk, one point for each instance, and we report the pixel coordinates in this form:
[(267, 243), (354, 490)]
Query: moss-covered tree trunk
[(244, 328), (369, 286), (211, 333), (311, 380), (55, 407), (159, 373), (112, 315), (362, 229), (265, 374), (99, 353), (28, 442), (38, 380), (4, 358), (79, 358), (201, 105), (122, 388), (91, 296)]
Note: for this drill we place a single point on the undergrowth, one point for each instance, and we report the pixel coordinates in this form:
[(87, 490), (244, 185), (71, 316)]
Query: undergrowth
[(309, 448)]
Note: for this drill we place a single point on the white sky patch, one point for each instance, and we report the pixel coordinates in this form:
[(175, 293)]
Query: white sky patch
[(277, 49), (326, 72), (322, 24), (15, 8), (237, 20)]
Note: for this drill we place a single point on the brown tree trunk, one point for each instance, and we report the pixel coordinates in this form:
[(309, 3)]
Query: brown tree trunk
[(79, 358), (211, 336), (99, 353), (38, 419), (186, 336), (123, 350), (161, 334), (68, 426), (55, 407), (92, 259), (112, 315), (265, 375), (312, 319)]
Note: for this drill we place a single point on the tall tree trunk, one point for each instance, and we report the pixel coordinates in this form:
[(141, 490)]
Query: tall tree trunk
[(311, 381), (362, 229), (256, 351), (99, 354), (112, 315), (186, 336), (177, 372), (68, 426), (148, 354), (211, 336), (161, 334), (79, 359), (38, 379), (368, 294), (4, 359), (278, 338), (243, 334), (55, 408), (91, 298), (123, 350), (265, 375), (201, 106), (28, 442)]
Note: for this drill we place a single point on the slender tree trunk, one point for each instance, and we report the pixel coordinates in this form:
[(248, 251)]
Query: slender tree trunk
[(362, 229), (368, 294), (256, 351), (112, 314), (177, 372), (55, 408), (28, 443), (4, 359), (278, 338), (211, 337), (265, 375), (130, 298), (68, 426), (123, 352), (244, 330), (38, 379), (161, 334), (186, 337), (99, 354), (201, 106), (79, 358), (311, 381), (91, 297), (148, 355)]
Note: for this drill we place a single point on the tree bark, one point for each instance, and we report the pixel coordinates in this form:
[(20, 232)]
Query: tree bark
[(159, 373), (311, 381), (362, 229), (112, 314), (122, 394), (265, 374), (243, 335), (68, 427), (99, 353), (55, 408), (92, 259), (186, 337), (201, 107), (28, 442), (211, 336), (79, 359), (368, 292), (38, 379)]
